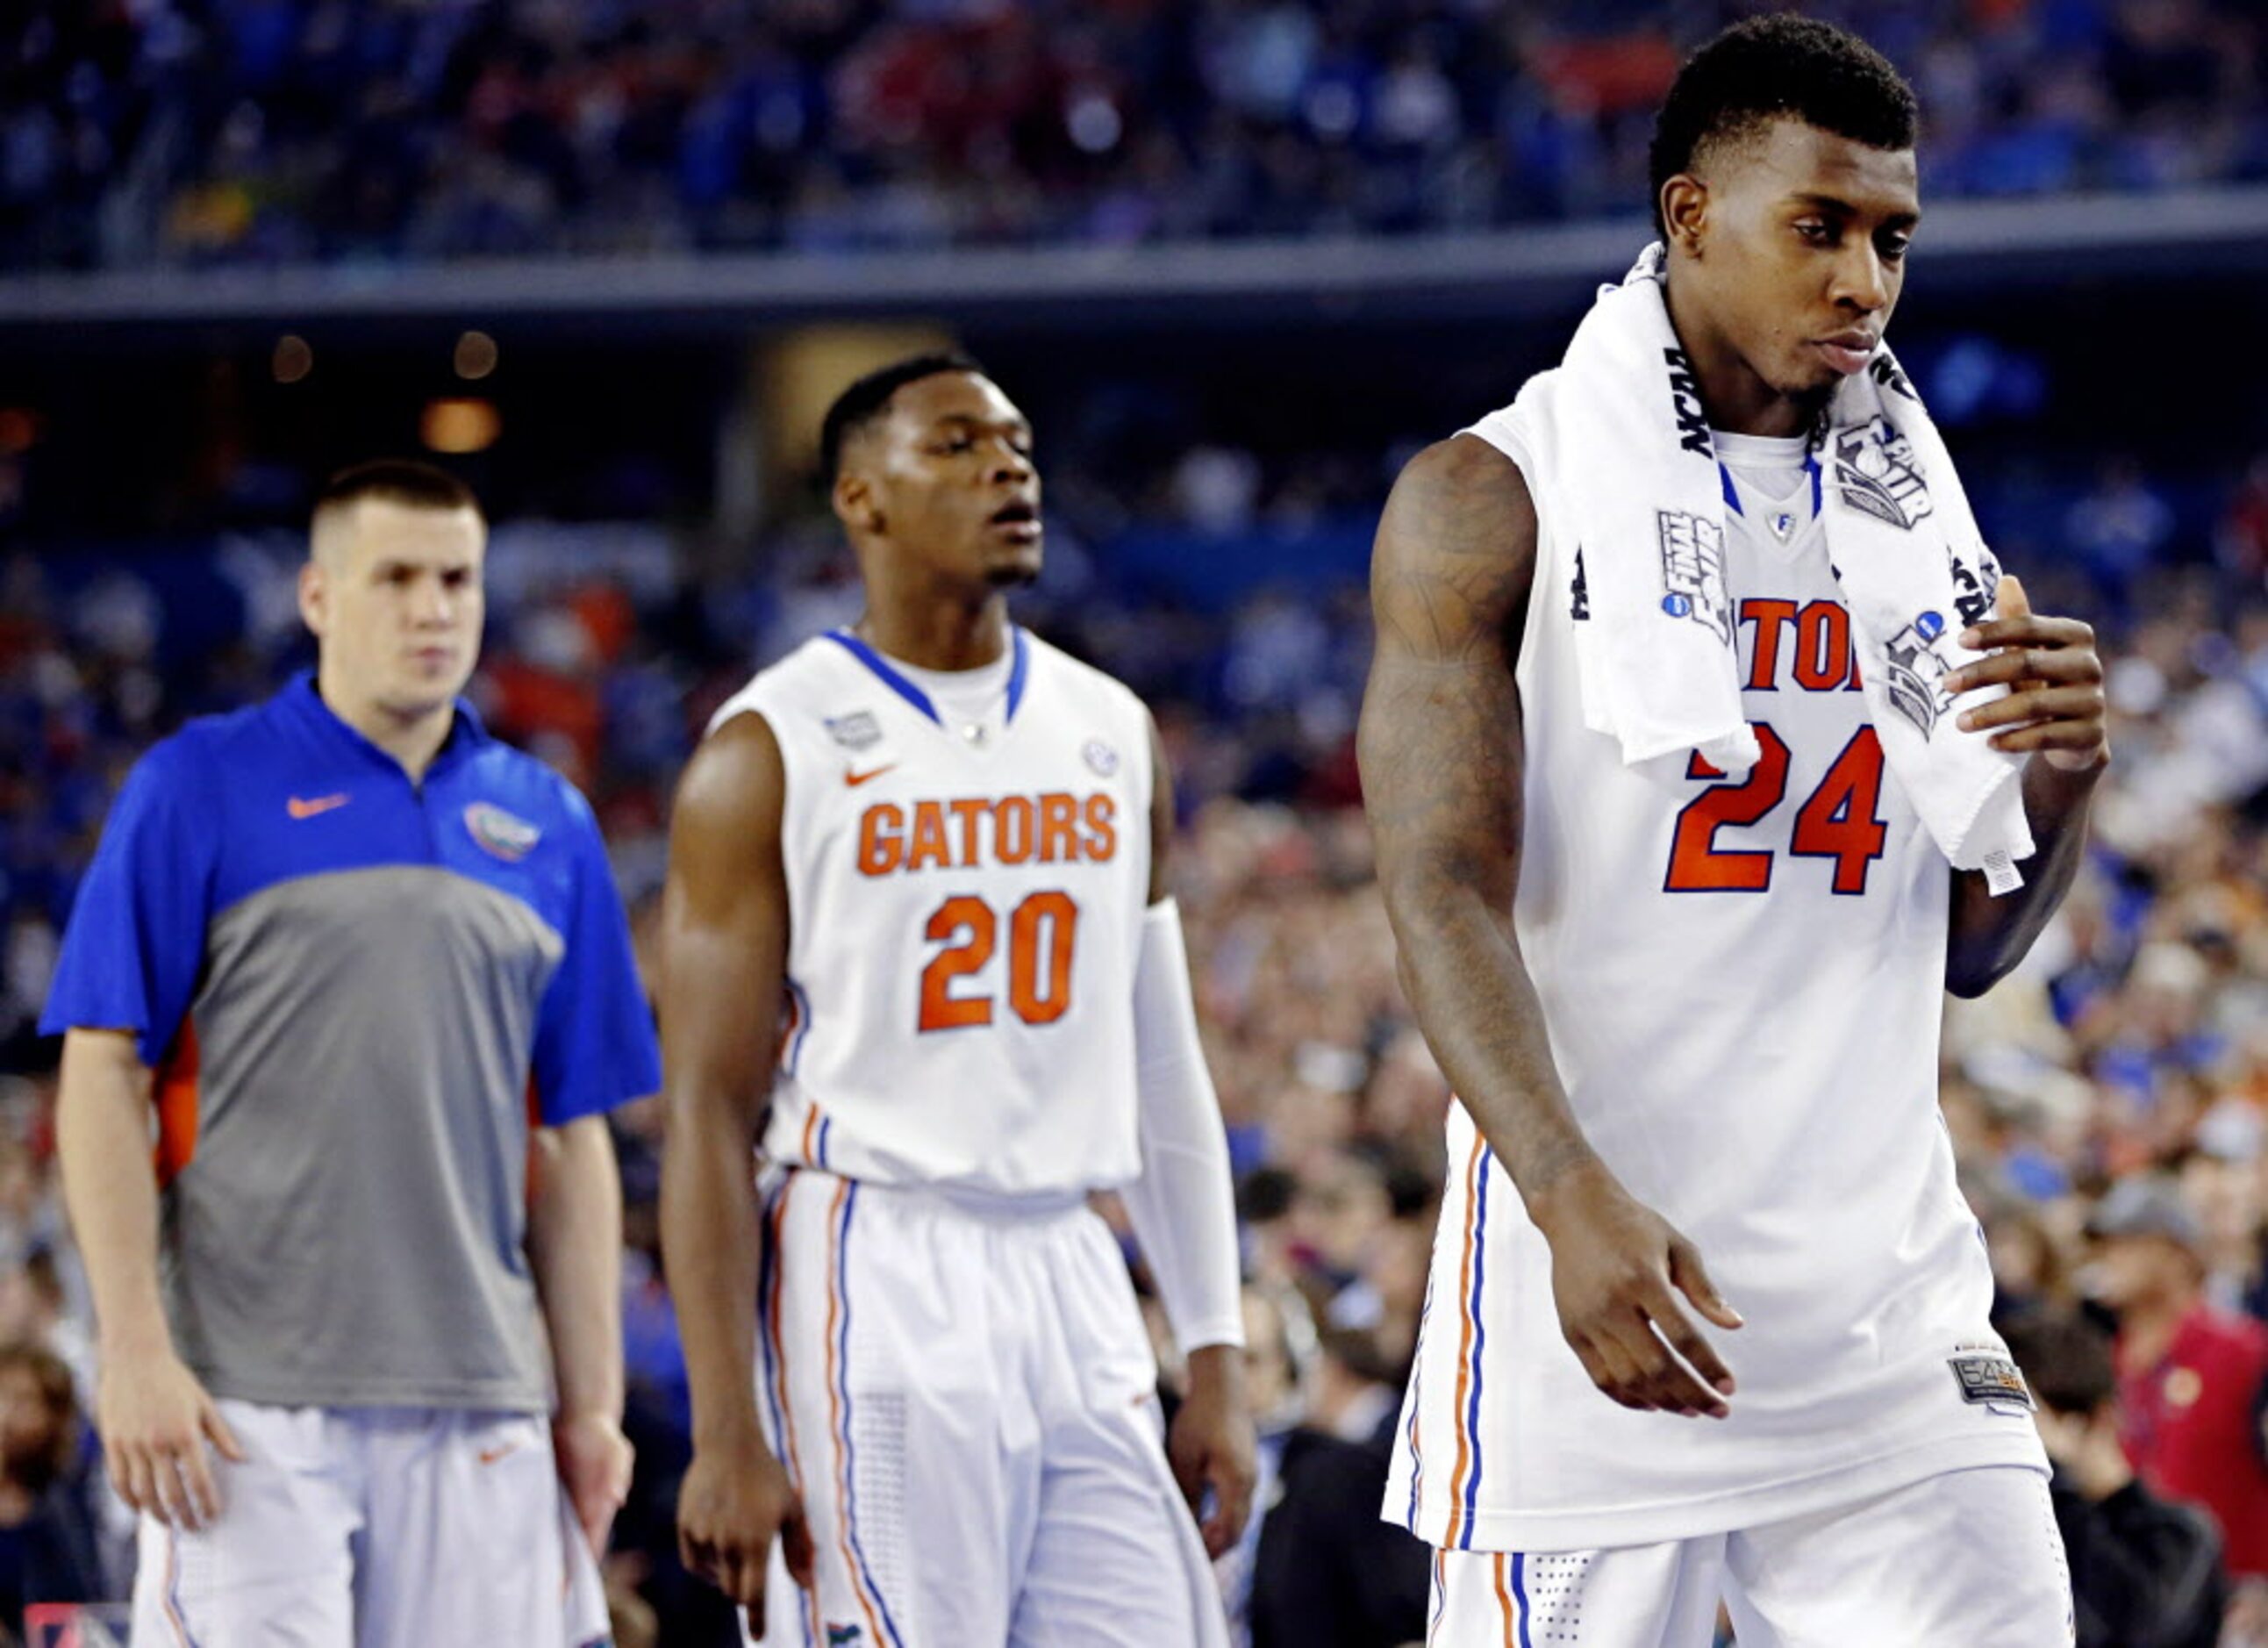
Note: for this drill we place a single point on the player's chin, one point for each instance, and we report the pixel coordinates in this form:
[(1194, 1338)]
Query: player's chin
[(1013, 572)]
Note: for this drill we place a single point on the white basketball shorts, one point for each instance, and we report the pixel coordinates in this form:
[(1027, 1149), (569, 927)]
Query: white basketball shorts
[(376, 1527), (966, 1398), (1972, 1557)]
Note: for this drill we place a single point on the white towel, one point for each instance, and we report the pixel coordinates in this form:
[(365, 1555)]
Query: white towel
[(1635, 481)]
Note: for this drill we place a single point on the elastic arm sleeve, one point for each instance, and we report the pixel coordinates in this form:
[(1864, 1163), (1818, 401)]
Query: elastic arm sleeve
[(1182, 1208)]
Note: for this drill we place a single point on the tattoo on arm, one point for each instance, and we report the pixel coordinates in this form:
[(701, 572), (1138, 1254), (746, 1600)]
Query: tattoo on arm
[(1441, 767)]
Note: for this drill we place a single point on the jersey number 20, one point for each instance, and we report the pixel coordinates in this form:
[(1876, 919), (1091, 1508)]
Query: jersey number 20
[(1041, 932)]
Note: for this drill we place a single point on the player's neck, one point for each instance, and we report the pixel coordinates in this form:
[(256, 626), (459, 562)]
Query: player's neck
[(1734, 397), (412, 740), (939, 634)]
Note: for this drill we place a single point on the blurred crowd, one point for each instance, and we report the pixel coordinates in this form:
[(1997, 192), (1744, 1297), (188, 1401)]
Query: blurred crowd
[(2109, 1104), (170, 132)]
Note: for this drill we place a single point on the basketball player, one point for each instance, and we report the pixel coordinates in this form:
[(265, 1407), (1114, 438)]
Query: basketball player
[(1693, 1022), (939, 844), (352, 948)]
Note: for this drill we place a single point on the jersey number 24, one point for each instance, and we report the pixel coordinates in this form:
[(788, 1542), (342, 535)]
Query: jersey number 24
[(1841, 821)]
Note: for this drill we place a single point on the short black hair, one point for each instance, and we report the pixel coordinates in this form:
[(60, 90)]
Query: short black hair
[(396, 481), (2067, 1360), (1781, 65), (869, 397)]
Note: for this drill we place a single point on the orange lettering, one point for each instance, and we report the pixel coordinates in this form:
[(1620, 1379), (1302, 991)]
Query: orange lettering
[(1767, 616), (969, 812), (1011, 829), (1822, 647), (1101, 827), (928, 847), (881, 842), (1058, 828)]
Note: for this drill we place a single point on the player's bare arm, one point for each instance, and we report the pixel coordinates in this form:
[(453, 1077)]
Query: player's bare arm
[(1211, 1445), (1441, 755), (574, 1248), (2055, 713), (154, 1417), (724, 951)]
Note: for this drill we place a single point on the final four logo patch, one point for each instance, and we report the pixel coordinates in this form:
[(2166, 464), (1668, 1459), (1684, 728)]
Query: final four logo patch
[(1917, 669), (1693, 573), (509, 839), (1100, 757), (858, 730), (1877, 474)]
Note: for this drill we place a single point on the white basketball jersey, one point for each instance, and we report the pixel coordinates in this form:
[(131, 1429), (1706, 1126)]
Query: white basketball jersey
[(1743, 986), (964, 922)]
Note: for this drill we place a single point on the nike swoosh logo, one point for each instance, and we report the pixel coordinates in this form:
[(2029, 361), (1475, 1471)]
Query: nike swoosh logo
[(308, 809), (854, 779), (490, 1456)]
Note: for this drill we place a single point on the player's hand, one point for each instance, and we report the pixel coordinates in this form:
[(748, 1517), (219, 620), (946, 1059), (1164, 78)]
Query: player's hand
[(1211, 1445), (2055, 703), (737, 1498), (155, 1420), (1618, 1268), (594, 1466)]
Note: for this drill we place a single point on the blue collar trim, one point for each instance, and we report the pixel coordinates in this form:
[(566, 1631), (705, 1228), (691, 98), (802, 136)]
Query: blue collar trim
[(890, 677), (1019, 671), (1732, 494)]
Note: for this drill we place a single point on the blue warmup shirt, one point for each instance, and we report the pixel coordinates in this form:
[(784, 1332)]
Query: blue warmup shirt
[(356, 992)]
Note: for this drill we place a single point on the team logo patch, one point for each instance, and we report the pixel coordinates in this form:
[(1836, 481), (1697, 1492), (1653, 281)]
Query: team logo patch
[(1693, 573), (1100, 757), (509, 839), (838, 1635), (1915, 679), (858, 730), (1989, 1379), (1877, 474)]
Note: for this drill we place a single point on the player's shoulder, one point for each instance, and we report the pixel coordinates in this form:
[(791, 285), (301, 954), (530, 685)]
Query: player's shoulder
[(1482, 465), (1062, 672), (805, 680)]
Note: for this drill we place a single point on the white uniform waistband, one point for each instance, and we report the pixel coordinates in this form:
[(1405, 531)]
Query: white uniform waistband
[(989, 1206)]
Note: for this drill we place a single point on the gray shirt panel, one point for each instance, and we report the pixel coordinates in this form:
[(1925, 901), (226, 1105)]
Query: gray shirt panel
[(352, 1228)]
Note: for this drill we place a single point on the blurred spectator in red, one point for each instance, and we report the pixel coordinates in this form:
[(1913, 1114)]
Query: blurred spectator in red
[(2189, 1375), (2145, 1573)]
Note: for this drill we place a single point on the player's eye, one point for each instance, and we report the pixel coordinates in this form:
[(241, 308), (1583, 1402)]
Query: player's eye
[(1817, 231), (1891, 247)]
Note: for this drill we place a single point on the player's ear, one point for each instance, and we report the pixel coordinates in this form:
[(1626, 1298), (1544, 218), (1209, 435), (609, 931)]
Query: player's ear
[(315, 597), (856, 506), (1684, 212)]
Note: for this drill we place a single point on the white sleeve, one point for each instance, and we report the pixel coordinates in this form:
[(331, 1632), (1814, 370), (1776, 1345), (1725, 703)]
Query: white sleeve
[(1182, 1207)]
